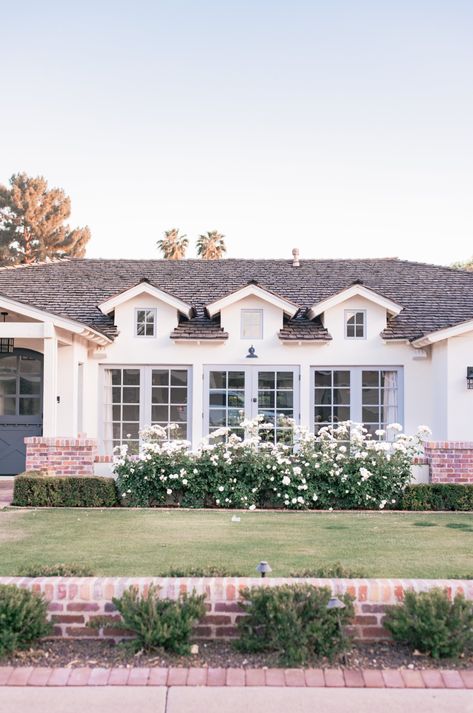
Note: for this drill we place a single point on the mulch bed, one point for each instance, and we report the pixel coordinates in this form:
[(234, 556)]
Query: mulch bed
[(214, 654)]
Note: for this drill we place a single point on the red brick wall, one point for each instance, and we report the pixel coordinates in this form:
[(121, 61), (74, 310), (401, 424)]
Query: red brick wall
[(450, 461), (73, 602), (61, 456)]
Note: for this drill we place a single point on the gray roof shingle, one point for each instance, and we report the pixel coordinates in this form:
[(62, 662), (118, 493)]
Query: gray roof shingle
[(433, 297)]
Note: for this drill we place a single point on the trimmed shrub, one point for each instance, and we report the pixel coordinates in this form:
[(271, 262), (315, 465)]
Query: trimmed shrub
[(22, 618), (294, 622), (329, 571), (56, 570), (35, 490), (437, 496), (160, 623), (432, 624)]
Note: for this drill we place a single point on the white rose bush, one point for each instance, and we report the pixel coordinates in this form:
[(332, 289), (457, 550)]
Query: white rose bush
[(341, 467)]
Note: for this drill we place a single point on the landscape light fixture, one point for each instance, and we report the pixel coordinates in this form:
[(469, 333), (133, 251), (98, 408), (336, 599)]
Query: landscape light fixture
[(334, 603), (263, 567), (469, 377), (6, 343), (251, 353)]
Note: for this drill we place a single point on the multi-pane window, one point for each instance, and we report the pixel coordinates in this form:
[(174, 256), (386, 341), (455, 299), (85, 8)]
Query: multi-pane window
[(379, 398), (252, 324), (122, 408), (355, 324), (136, 397), (371, 396), (20, 385), (332, 397), (226, 400), (145, 322), (169, 401), (276, 402)]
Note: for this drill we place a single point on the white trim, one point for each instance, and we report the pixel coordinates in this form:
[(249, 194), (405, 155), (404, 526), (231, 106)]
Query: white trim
[(48, 317), (260, 312), (155, 321), (456, 331), (252, 291), (354, 291), (144, 288)]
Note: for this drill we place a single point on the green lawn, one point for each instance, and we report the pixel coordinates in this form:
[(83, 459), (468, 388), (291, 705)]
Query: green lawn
[(149, 542)]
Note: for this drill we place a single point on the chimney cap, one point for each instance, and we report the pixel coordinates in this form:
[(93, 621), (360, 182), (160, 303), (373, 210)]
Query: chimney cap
[(295, 257)]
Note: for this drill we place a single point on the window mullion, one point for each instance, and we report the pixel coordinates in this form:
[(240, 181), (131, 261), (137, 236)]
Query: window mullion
[(355, 395)]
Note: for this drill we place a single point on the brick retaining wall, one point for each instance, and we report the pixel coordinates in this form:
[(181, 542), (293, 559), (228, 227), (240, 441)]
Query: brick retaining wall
[(61, 456), (450, 461), (73, 602)]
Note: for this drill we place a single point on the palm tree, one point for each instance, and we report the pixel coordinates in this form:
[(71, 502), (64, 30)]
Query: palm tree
[(211, 246), (173, 246)]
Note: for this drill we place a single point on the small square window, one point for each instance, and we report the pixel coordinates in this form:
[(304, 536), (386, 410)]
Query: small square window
[(252, 324), (145, 322), (355, 324)]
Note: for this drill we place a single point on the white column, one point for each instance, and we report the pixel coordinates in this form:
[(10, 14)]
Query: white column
[(50, 382), (197, 404), (306, 397)]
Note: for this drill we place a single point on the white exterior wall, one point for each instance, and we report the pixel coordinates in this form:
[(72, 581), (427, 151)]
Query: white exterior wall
[(161, 350), (453, 400)]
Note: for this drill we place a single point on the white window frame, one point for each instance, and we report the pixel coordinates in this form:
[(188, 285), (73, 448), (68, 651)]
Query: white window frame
[(251, 388), (352, 313), (145, 402), (245, 312), (155, 319), (356, 405)]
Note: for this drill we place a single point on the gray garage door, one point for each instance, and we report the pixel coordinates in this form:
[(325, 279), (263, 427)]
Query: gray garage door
[(21, 406)]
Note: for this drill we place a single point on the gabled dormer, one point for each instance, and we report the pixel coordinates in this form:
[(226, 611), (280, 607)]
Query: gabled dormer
[(252, 313), (145, 311), (355, 313)]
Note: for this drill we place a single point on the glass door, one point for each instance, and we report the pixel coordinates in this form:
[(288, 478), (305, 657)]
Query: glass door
[(235, 394)]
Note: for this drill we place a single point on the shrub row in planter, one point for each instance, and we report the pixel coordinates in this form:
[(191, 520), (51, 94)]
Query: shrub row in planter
[(292, 621), (340, 467)]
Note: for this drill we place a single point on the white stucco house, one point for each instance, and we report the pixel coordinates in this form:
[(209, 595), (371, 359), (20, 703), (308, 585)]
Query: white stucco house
[(106, 347)]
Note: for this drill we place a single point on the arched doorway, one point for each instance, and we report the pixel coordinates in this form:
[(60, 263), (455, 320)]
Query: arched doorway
[(21, 406)]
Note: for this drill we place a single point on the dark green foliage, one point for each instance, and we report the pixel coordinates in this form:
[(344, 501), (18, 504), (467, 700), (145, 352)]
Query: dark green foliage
[(329, 571), (22, 618), (437, 496), (160, 623), (209, 571), (431, 623), (57, 570), (294, 622), (33, 490)]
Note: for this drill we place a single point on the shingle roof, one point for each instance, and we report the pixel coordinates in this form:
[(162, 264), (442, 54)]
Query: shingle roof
[(433, 297)]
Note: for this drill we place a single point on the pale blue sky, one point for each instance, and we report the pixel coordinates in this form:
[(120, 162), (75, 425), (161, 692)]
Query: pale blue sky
[(344, 128)]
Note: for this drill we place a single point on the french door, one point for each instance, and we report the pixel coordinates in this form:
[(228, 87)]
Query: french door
[(235, 394)]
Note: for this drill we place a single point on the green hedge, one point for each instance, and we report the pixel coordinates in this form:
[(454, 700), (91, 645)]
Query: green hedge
[(437, 496), (34, 490)]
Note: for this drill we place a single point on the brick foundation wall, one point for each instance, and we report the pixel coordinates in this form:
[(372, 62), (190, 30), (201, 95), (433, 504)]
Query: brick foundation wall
[(61, 456), (74, 602), (450, 461)]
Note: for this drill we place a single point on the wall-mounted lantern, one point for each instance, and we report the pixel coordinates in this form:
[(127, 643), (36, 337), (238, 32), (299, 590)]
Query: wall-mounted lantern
[(252, 353), (6, 343), (469, 377)]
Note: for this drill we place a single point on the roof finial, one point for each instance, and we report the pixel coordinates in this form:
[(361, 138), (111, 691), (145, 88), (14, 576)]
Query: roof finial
[(295, 256)]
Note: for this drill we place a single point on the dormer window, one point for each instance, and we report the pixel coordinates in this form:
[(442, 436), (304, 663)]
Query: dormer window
[(145, 322), (252, 324), (355, 324)]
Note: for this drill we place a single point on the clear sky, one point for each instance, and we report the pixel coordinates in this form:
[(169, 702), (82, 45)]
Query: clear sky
[(342, 127)]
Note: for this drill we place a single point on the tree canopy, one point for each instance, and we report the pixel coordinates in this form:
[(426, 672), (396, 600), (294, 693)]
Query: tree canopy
[(463, 265), (32, 223), (173, 246), (211, 246)]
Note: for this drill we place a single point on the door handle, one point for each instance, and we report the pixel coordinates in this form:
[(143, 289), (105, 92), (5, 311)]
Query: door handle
[(254, 399)]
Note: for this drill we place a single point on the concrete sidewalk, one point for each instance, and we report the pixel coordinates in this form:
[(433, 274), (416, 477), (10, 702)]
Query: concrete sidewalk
[(180, 699)]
